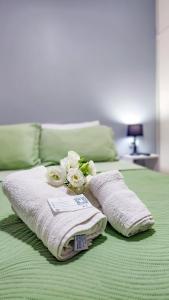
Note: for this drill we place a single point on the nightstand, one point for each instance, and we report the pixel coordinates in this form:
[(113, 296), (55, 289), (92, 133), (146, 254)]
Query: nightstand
[(148, 161)]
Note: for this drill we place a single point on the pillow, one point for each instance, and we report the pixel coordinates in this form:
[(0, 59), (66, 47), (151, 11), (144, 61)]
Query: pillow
[(95, 143), (19, 146), (71, 125)]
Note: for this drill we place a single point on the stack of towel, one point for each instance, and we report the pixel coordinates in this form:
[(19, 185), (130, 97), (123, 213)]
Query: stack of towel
[(65, 223), (124, 210)]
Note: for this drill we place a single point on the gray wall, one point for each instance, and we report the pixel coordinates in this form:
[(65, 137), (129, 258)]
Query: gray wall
[(78, 60)]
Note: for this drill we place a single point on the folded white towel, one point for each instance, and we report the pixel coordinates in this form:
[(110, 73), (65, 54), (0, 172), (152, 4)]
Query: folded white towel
[(30, 194), (124, 210)]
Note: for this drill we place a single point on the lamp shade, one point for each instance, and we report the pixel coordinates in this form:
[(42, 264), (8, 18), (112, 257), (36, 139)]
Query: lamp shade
[(135, 130)]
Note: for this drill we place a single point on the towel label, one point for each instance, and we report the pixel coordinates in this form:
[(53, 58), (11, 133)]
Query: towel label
[(68, 203), (80, 242)]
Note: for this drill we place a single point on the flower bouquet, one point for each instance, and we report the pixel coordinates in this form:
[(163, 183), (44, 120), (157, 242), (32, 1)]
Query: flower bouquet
[(74, 172)]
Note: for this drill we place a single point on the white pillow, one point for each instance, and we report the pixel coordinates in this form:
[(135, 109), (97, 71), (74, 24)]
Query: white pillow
[(71, 125)]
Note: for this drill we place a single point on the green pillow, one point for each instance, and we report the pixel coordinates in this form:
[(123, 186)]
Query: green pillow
[(95, 143), (19, 146)]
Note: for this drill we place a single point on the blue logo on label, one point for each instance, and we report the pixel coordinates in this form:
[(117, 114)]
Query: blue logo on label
[(80, 200)]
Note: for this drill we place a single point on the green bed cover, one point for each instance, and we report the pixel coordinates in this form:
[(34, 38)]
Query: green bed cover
[(118, 268)]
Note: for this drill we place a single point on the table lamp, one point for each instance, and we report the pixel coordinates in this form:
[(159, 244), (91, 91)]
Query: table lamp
[(135, 130)]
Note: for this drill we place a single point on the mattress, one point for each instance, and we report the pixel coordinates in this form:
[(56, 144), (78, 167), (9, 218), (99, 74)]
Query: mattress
[(115, 267)]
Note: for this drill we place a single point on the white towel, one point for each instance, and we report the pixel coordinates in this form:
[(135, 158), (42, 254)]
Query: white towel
[(124, 210), (29, 194)]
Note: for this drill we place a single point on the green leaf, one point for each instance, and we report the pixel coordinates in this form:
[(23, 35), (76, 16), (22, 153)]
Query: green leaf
[(82, 161), (85, 169)]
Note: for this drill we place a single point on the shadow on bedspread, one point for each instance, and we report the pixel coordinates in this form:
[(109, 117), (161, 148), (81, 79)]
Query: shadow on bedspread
[(17, 229), (135, 238)]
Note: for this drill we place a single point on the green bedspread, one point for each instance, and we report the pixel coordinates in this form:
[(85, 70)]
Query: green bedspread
[(115, 267)]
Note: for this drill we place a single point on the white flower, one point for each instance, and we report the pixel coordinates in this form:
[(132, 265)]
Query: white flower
[(64, 163), (76, 178), (88, 178), (71, 161), (56, 175), (72, 155), (92, 168)]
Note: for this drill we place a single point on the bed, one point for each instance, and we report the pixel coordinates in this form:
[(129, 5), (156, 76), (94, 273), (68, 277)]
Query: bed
[(115, 267)]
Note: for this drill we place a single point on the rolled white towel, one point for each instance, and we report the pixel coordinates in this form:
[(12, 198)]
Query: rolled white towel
[(64, 233), (124, 210)]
